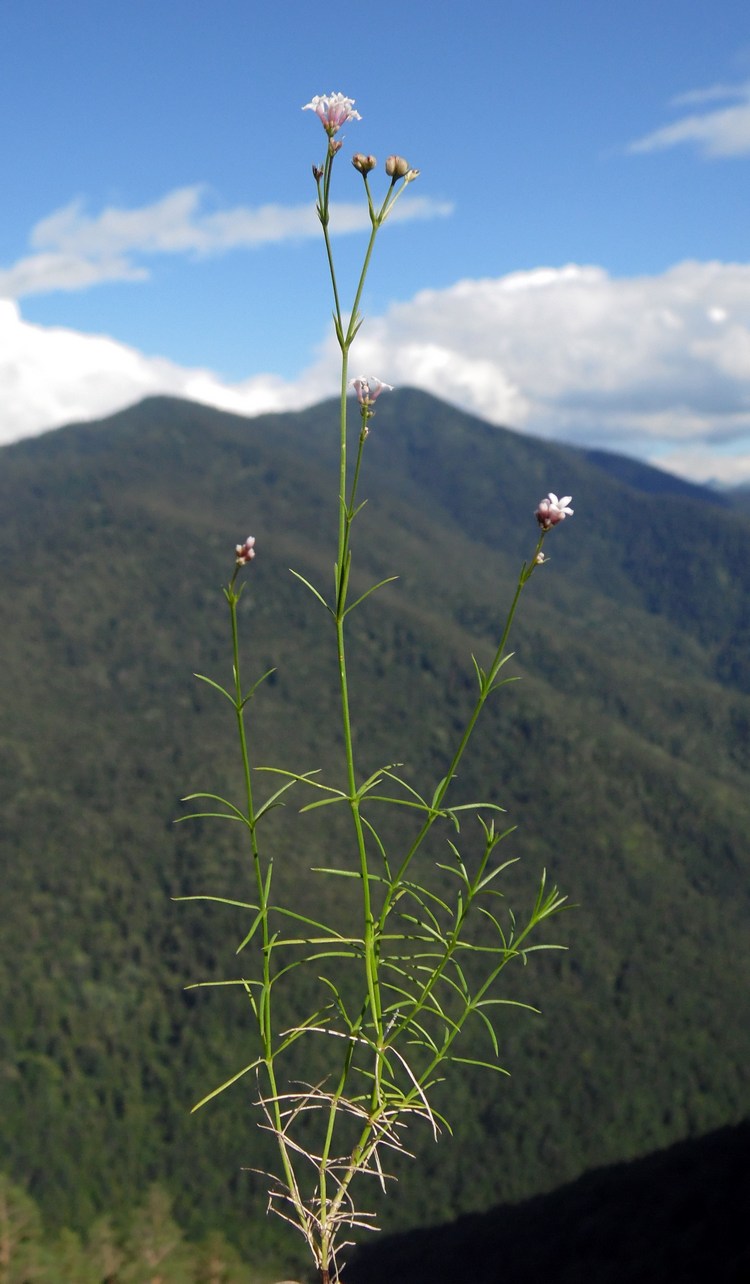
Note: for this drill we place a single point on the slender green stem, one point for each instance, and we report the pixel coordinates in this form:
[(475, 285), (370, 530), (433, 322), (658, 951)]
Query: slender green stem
[(346, 517), (341, 557), (324, 214), (264, 1015), (346, 514), (331, 268), (354, 314)]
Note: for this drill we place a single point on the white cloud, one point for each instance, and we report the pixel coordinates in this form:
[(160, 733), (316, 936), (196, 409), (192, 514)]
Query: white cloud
[(701, 463), (74, 250), (48, 272), (721, 131), (53, 376), (573, 353), (656, 366)]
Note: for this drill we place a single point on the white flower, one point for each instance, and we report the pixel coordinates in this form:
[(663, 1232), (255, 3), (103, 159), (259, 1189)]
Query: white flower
[(368, 390), (333, 110), (552, 510), (561, 504)]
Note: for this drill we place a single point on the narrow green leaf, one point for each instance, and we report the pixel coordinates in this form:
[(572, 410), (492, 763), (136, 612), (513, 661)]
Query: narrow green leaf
[(406, 999), (271, 801), (339, 1002), (324, 802), (508, 656), (481, 676), (388, 771), (451, 869), (496, 924), (459, 873), (438, 790), (305, 1028), (220, 900), (312, 588), (209, 815), (217, 798), (483, 806), (503, 683), (508, 1003), (498, 869), (420, 893), (402, 802), (374, 588), (311, 922), (425, 1040), (255, 686), (327, 954), (462, 985), (217, 687), (210, 1096), (305, 777), (207, 985), (310, 958), (345, 873), (490, 1029), (253, 929), (368, 784), (380, 845), (486, 1065)]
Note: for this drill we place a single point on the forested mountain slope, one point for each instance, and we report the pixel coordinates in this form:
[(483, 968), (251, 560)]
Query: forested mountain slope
[(622, 756)]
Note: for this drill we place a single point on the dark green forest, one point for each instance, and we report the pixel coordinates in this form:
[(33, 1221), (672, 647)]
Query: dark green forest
[(621, 756), (143, 1245), (678, 1215)]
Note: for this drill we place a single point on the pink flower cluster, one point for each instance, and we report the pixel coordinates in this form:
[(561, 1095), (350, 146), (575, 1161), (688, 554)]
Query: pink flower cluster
[(246, 552), (553, 510), (333, 111)]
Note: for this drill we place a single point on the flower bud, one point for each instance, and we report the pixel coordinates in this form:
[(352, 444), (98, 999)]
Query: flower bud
[(396, 167), (363, 163), (245, 553), (317, 173)]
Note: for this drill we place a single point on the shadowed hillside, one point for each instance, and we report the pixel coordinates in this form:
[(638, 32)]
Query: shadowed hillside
[(679, 1215)]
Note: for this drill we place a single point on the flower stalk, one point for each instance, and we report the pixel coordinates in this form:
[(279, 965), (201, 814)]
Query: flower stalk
[(398, 993)]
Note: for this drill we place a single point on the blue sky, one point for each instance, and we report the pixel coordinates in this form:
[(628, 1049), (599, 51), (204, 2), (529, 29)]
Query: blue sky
[(576, 263)]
